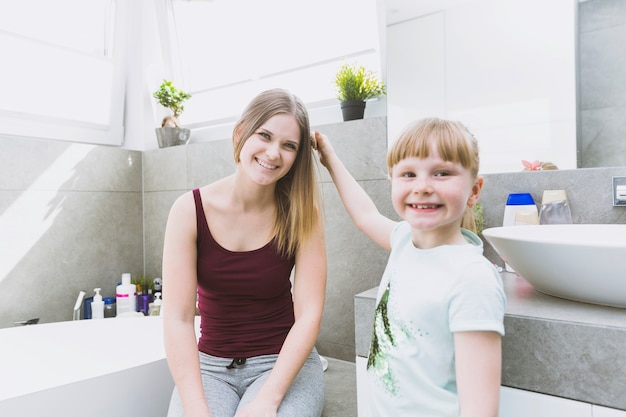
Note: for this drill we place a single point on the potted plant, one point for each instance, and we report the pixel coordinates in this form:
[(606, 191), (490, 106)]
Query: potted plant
[(170, 133), (355, 84)]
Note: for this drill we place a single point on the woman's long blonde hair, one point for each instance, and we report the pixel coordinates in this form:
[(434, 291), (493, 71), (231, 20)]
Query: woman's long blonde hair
[(297, 193), (454, 143)]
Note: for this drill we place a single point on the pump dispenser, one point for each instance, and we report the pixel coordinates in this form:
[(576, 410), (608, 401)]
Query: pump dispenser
[(155, 307), (97, 305)]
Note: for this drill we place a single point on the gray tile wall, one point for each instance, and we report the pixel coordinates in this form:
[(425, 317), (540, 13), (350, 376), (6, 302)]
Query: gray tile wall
[(99, 224), (70, 220)]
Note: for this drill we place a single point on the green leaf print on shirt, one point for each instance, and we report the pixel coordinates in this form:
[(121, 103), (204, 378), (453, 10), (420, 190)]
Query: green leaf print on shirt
[(384, 339)]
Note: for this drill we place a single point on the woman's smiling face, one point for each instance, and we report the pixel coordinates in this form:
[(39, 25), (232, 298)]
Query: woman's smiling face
[(269, 153)]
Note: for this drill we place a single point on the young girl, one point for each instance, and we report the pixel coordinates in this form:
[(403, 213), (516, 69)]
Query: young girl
[(234, 243), (436, 348)]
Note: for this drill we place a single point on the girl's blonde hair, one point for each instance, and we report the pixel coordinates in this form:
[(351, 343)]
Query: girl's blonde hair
[(452, 140), (297, 193)]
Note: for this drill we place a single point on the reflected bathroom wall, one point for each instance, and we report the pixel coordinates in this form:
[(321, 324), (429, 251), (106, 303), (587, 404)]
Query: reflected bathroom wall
[(506, 69), (532, 79), (602, 63)]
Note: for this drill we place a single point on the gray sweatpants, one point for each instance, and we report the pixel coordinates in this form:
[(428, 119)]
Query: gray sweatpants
[(228, 389)]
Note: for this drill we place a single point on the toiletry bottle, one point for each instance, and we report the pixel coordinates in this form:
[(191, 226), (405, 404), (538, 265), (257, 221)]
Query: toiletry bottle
[(155, 307), (109, 307), (555, 208), (520, 210), (97, 305), (87, 308), (125, 296), (519, 202)]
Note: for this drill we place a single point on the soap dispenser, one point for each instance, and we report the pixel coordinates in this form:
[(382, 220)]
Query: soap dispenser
[(97, 305), (155, 307)]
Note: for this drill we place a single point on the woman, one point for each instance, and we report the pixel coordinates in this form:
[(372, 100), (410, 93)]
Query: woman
[(234, 243)]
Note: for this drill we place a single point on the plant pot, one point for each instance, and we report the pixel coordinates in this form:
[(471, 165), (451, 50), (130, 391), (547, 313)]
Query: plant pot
[(352, 109), (172, 136)]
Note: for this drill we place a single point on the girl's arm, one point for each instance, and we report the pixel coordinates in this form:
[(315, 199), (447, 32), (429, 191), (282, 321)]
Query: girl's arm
[(358, 204), (179, 302), (308, 297), (478, 357)]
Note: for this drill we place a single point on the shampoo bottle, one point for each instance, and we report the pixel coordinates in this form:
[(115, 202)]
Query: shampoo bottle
[(520, 210), (125, 296), (97, 305)]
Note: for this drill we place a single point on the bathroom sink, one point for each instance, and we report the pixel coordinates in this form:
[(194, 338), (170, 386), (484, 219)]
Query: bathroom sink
[(580, 262)]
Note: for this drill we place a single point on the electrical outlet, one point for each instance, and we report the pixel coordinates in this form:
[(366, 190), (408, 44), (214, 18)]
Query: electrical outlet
[(619, 191)]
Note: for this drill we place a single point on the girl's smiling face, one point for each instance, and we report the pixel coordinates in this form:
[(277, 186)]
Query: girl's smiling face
[(431, 194), (270, 152)]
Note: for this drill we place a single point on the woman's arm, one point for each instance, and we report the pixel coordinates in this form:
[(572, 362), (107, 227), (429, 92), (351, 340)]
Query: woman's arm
[(308, 297), (358, 204), (478, 357), (179, 302)]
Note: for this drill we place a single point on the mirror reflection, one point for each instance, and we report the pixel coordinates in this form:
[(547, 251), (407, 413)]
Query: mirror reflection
[(533, 80)]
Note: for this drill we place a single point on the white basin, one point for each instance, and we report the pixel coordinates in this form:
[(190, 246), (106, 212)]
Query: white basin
[(580, 262)]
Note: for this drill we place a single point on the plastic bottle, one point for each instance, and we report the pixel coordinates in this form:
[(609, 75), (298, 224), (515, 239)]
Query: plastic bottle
[(520, 210), (155, 307), (109, 307), (125, 296), (519, 202), (87, 308), (97, 305)]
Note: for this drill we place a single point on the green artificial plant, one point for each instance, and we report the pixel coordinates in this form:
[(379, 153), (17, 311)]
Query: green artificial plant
[(171, 97), (355, 82)]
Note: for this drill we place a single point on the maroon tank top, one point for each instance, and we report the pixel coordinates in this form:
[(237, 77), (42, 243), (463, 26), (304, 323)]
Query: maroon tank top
[(244, 298)]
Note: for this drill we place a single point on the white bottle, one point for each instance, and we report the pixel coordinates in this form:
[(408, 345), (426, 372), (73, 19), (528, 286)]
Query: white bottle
[(97, 305), (126, 296), (155, 307), (520, 210)]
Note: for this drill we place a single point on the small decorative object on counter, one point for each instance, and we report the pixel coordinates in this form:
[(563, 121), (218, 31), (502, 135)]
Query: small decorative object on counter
[(97, 305), (157, 284), (555, 208)]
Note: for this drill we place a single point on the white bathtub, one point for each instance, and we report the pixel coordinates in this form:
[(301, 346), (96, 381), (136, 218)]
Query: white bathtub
[(88, 368)]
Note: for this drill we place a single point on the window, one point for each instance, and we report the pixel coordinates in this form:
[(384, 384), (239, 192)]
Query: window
[(232, 49), (62, 78)]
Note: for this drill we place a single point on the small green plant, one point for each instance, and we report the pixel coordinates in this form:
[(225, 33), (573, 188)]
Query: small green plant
[(355, 82), (171, 97)]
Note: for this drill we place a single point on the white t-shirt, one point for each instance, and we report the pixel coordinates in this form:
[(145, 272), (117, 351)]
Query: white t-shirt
[(424, 297)]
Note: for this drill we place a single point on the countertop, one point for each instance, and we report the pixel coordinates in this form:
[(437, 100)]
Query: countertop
[(554, 346)]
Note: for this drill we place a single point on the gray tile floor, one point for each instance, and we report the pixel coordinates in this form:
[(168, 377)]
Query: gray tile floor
[(340, 389)]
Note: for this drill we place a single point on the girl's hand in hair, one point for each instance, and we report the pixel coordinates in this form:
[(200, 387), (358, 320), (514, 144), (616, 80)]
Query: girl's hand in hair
[(324, 149)]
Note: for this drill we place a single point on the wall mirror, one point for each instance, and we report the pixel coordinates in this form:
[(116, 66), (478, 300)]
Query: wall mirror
[(533, 80)]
